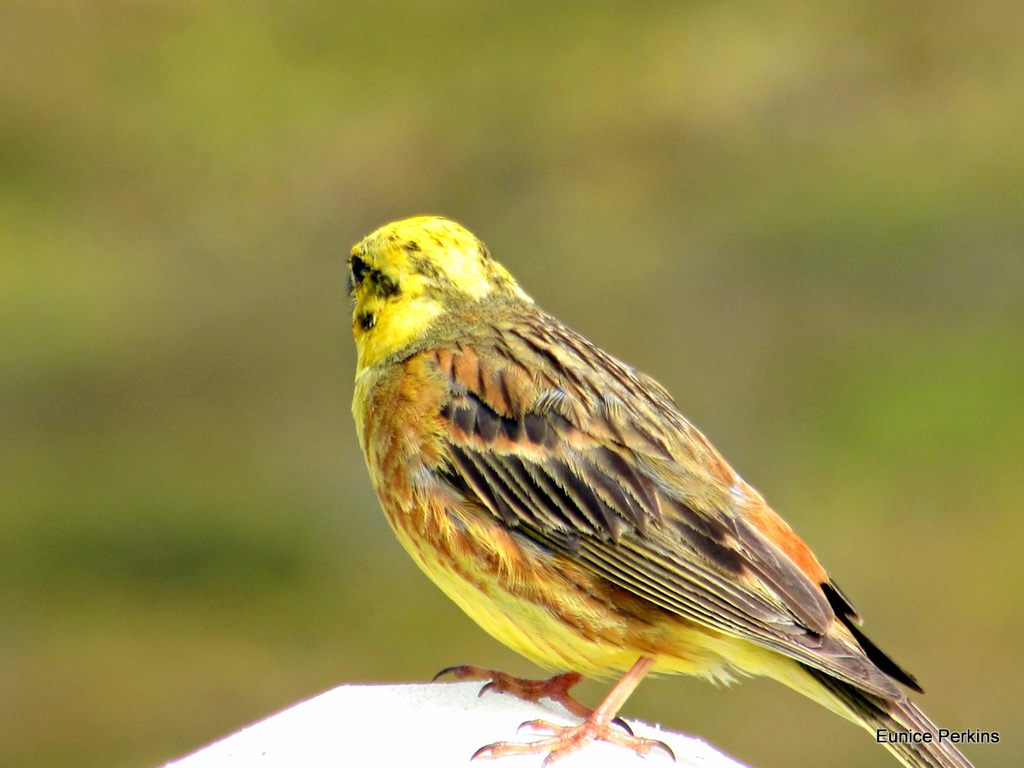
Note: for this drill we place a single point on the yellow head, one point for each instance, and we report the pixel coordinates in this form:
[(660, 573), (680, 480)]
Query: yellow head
[(409, 273)]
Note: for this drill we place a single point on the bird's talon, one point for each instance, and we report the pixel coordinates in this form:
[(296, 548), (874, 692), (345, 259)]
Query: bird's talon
[(667, 749), (443, 672), (484, 753), (623, 725)]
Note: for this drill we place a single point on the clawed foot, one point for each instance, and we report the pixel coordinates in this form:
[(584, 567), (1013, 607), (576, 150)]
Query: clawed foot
[(555, 688), (564, 740), (567, 739)]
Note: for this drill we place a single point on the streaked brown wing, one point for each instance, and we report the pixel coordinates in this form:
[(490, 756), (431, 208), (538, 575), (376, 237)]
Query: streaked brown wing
[(589, 459)]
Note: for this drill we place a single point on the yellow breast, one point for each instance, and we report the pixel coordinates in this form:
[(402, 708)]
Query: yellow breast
[(541, 605)]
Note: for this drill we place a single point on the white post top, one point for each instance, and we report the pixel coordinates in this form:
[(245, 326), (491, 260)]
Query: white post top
[(438, 725)]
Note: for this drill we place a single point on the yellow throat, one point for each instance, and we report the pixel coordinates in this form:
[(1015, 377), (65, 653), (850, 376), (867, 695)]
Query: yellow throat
[(408, 273)]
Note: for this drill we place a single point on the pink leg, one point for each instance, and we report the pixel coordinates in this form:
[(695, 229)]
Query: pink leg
[(597, 726)]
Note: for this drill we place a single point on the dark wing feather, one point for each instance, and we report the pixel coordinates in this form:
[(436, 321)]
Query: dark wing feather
[(596, 495)]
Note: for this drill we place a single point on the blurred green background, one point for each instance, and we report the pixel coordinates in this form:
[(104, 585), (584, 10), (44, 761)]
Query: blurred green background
[(805, 219)]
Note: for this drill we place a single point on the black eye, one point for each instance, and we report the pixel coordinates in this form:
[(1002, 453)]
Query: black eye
[(359, 269)]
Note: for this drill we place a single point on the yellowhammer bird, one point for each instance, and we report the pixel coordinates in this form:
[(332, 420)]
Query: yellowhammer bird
[(560, 498)]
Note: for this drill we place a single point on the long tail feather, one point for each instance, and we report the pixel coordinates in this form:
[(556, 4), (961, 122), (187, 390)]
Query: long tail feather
[(897, 723)]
